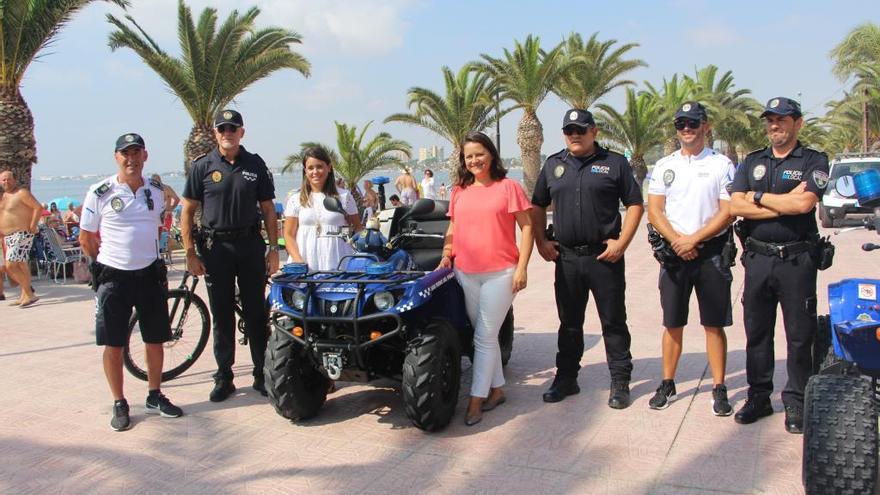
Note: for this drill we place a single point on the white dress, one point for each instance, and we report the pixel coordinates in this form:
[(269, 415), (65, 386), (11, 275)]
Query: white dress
[(428, 191), (320, 252)]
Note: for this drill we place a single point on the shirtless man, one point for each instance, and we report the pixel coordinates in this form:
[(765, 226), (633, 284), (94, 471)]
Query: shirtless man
[(19, 214), (406, 186), (171, 201)]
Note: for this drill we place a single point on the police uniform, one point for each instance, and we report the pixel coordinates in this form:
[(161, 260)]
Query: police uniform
[(692, 186), (779, 265), (231, 246), (131, 273), (586, 193)]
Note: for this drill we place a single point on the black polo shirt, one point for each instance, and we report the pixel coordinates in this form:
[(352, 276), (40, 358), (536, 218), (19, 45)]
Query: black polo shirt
[(586, 194), (761, 171), (230, 193)]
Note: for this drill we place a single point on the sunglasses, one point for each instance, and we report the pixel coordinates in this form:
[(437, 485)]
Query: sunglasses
[(223, 129), (148, 196), (580, 131), (680, 124)]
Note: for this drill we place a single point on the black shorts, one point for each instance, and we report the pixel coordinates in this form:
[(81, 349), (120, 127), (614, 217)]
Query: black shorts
[(117, 295), (712, 282)]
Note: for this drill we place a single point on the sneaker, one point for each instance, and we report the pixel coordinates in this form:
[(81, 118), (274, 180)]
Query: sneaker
[(159, 404), (664, 396), (720, 404), (753, 410), (794, 419), (618, 396), (120, 420)]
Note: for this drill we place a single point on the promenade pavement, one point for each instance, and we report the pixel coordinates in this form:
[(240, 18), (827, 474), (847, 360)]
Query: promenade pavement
[(55, 435)]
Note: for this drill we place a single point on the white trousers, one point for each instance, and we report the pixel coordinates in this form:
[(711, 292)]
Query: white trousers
[(487, 297)]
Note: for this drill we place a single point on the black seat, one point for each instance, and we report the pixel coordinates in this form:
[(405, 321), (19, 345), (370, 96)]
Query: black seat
[(425, 251)]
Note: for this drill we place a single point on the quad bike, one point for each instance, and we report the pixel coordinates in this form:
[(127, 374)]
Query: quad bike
[(842, 399), (386, 312)]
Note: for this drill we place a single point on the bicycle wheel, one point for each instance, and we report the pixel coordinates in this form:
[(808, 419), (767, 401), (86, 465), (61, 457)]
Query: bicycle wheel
[(190, 327)]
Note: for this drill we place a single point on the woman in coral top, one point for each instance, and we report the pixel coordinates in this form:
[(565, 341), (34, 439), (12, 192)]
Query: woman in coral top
[(488, 264)]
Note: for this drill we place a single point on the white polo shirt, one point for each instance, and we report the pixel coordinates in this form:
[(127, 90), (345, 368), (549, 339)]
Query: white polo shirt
[(693, 185), (129, 228)]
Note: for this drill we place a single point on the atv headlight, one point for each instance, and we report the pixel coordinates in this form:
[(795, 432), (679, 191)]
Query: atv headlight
[(383, 300), (298, 300)]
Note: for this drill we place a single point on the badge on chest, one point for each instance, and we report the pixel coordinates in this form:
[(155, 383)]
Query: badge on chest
[(117, 204)]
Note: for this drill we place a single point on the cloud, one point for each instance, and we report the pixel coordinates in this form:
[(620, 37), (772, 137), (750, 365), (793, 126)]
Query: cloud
[(714, 34)]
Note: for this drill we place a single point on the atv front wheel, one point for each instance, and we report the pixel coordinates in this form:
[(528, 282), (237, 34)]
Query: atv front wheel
[(840, 436), (297, 389), (432, 376)]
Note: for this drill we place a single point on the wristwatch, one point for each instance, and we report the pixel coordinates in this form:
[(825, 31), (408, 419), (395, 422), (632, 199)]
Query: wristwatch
[(757, 197)]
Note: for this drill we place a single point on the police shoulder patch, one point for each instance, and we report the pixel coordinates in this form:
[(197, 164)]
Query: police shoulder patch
[(155, 183), (820, 178), (199, 157), (102, 189)]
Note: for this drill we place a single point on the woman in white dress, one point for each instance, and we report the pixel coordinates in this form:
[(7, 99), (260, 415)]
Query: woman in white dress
[(428, 185), (307, 223)]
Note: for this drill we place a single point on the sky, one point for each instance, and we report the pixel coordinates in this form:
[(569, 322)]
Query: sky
[(366, 54)]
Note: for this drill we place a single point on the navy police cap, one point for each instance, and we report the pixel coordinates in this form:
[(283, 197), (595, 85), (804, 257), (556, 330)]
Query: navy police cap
[(782, 106), (126, 141), (228, 117), (580, 118), (691, 110)]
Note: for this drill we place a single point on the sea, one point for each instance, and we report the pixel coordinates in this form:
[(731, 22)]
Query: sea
[(47, 189)]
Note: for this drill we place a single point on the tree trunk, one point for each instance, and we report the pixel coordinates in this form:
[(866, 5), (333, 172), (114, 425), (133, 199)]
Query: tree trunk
[(640, 168), (530, 137), (200, 141), (18, 146), (670, 145), (452, 165)]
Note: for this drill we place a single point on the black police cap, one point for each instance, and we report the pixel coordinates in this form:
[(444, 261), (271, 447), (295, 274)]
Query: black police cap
[(228, 117), (691, 110), (782, 106), (128, 140), (580, 118)]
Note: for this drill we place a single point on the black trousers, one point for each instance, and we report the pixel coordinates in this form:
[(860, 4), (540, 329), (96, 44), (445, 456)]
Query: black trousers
[(791, 283), (242, 260), (576, 277)]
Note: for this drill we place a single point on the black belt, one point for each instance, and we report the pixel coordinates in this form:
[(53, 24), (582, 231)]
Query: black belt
[(232, 234), (110, 273), (586, 249), (783, 250)]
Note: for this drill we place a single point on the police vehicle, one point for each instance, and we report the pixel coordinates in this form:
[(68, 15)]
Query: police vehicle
[(840, 199)]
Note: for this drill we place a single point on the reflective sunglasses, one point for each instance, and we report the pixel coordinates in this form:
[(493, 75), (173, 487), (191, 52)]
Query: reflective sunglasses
[(223, 129), (580, 131), (148, 196), (680, 124)]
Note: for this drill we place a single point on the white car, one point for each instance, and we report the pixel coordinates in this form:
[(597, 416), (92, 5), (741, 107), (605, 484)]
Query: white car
[(840, 195)]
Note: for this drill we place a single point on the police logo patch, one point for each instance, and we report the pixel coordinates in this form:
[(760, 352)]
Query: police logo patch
[(759, 171), (820, 178), (792, 175), (774, 103), (686, 107), (573, 116), (559, 170), (227, 115), (600, 169), (669, 177), (116, 204), (129, 138), (216, 176)]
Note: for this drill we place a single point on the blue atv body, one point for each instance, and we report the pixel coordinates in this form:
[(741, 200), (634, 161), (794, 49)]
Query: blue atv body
[(385, 313)]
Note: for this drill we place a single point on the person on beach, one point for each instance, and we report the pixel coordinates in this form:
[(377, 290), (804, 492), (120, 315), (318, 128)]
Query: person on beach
[(19, 215), (54, 220), (309, 228), (776, 191), (586, 183), (481, 245), (427, 184), (71, 219), (371, 201), (406, 187), (171, 201), (128, 273), (395, 201), (689, 206), (233, 187)]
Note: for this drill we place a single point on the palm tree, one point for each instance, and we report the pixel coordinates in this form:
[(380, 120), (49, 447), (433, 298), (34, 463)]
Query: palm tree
[(466, 107), (26, 28), (858, 56), (595, 69), (728, 107), (525, 76), (356, 158), (217, 63), (638, 129), (671, 95)]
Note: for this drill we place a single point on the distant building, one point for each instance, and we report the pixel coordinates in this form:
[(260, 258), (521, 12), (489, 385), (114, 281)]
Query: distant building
[(423, 154), (435, 153)]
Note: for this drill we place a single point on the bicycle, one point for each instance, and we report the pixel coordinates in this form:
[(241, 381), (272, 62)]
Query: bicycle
[(190, 328)]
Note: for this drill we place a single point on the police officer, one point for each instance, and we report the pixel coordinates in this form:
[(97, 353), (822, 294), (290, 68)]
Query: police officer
[(234, 187), (586, 183), (689, 205), (128, 272), (776, 190)]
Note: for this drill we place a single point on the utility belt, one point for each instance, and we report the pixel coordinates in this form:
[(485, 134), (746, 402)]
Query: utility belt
[(585, 249), (206, 237), (820, 248), (720, 245), (101, 273)]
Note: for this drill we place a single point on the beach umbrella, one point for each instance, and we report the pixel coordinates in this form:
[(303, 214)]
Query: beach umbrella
[(63, 201)]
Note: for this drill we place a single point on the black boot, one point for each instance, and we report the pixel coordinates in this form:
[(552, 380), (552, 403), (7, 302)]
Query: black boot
[(561, 388)]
